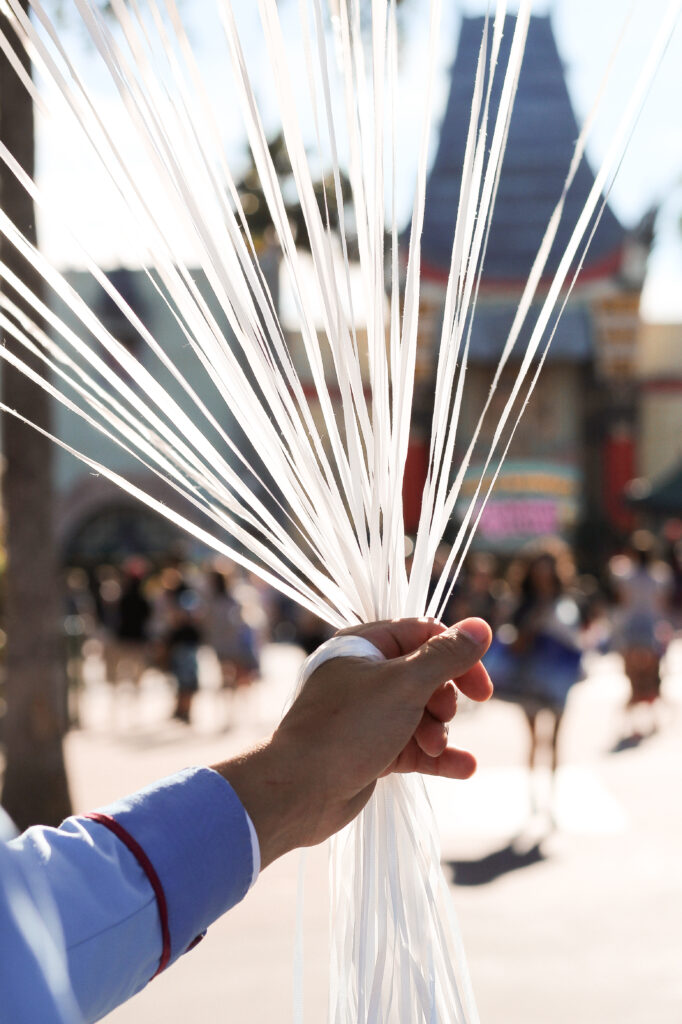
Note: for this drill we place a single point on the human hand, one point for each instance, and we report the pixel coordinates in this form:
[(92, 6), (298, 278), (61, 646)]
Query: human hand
[(357, 720)]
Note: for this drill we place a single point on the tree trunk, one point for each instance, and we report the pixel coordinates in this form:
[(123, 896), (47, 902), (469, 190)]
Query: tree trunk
[(35, 788)]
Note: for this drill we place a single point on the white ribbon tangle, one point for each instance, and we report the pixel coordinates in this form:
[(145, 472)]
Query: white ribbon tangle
[(338, 647)]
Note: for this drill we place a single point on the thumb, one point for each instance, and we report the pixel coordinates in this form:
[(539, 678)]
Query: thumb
[(449, 655)]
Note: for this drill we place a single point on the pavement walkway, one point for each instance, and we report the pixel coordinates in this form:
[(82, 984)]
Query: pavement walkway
[(575, 921)]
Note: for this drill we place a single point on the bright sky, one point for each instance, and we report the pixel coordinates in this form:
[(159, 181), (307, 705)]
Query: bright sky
[(586, 32)]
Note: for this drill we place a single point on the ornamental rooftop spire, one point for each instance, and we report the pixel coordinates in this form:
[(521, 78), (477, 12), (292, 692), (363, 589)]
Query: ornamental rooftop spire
[(542, 136)]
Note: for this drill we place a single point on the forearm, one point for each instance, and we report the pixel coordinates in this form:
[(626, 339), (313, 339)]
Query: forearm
[(279, 799), (138, 882)]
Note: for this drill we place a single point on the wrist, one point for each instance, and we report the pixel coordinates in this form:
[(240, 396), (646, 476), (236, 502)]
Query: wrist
[(274, 795)]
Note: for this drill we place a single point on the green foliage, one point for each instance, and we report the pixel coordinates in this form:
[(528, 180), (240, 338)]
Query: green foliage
[(256, 208)]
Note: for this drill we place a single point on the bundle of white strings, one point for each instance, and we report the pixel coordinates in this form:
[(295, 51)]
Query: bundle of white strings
[(326, 524)]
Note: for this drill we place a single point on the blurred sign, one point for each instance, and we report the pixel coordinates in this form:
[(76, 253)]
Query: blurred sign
[(617, 325), (529, 499)]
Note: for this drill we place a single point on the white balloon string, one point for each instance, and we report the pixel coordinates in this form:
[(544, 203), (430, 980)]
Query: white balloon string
[(313, 503)]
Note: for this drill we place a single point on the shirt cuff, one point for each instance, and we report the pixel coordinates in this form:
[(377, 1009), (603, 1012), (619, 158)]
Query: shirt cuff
[(255, 850), (195, 842)]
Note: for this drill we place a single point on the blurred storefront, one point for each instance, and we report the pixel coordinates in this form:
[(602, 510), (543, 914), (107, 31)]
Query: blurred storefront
[(530, 499), (574, 450), (659, 369), (576, 447), (96, 521)]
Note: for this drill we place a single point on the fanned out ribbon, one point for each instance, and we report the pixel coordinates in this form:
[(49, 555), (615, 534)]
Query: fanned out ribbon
[(314, 506)]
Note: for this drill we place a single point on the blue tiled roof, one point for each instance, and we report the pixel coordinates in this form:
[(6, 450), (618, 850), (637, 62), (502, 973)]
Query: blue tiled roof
[(542, 134), (572, 341)]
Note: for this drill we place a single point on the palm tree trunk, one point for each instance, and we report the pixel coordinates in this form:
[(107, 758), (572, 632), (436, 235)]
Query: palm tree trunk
[(35, 787)]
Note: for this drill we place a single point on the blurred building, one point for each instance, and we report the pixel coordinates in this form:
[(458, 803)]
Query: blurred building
[(575, 449), (659, 368), (97, 521), (655, 494)]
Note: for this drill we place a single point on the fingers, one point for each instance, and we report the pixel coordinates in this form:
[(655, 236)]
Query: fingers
[(475, 683), (432, 732), (450, 764), (431, 735), (442, 703), (451, 654), (396, 637)]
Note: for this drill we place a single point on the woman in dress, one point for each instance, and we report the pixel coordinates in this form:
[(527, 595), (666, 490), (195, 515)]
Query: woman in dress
[(535, 659)]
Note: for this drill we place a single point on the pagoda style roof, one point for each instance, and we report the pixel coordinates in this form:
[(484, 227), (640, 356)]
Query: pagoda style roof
[(573, 339), (542, 135)]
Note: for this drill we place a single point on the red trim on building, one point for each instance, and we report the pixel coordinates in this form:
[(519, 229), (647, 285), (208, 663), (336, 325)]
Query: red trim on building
[(149, 870), (604, 268), (658, 385)]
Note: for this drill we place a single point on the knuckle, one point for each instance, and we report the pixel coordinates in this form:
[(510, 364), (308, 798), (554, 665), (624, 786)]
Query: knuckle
[(402, 680), (451, 643), (456, 648)]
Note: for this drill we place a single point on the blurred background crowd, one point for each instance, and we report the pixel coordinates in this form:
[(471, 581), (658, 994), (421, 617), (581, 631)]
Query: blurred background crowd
[(206, 622)]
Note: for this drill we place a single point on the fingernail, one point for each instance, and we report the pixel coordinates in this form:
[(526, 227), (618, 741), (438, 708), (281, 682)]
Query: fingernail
[(475, 630)]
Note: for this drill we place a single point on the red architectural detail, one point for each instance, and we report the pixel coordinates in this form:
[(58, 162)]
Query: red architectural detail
[(660, 385), (416, 468), (598, 271), (619, 469)]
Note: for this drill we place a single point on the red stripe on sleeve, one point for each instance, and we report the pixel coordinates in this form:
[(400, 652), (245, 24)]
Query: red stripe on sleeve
[(148, 868)]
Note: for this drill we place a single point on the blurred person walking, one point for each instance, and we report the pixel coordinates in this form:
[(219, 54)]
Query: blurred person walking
[(672, 532), (535, 659), (126, 642), (181, 644), (479, 593), (643, 586), (234, 640)]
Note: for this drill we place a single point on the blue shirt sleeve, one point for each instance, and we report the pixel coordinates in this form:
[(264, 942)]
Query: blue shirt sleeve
[(138, 882), (34, 983)]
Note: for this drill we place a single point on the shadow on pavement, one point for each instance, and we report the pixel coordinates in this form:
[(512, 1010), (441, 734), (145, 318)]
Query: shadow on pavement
[(493, 865), (628, 743)]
